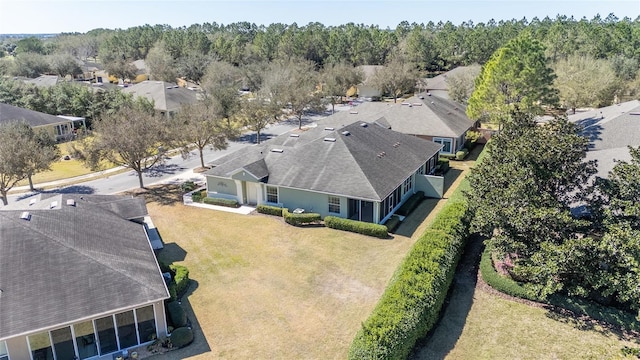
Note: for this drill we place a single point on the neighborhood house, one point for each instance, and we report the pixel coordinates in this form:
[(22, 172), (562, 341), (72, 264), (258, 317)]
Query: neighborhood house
[(61, 127), (361, 171), (78, 278)]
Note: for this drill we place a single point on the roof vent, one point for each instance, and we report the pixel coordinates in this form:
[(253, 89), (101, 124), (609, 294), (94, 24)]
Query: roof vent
[(381, 154), (329, 128), (32, 201), (363, 124), (277, 150), (53, 204), (396, 145), (328, 139), (71, 202), (634, 113), (25, 216), (406, 103), (416, 104), (353, 112), (346, 133), (428, 94), (294, 135)]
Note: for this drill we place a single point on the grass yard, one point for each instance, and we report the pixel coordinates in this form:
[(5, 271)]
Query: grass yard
[(480, 325), (268, 290)]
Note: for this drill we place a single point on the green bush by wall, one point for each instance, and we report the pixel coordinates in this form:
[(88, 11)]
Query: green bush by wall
[(180, 277), (411, 204), (360, 227), (300, 219), (221, 202), (181, 337), (177, 315), (269, 210)]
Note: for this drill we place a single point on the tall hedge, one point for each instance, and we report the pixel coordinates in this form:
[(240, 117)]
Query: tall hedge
[(411, 304), (300, 219), (359, 227)]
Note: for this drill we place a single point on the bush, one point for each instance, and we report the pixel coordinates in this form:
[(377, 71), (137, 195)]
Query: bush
[(446, 157), (199, 195), (360, 227), (443, 165), (392, 223), (181, 337), (269, 210), (411, 204), (221, 202), (188, 186), (177, 315), (180, 277), (411, 303), (499, 282), (173, 291), (300, 219), (460, 155)]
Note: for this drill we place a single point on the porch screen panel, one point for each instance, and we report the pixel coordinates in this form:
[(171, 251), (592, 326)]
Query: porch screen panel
[(126, 329), (146, 323), (63, 343), (4, 354), (106, 335), (41, 346), (85, 339)]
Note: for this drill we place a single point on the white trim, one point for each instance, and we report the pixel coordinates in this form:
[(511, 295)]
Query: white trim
[(450, 140)]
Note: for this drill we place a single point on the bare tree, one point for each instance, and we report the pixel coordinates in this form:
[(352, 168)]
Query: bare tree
[(161, 65), (257, 113), (200, 126), (44, 152), (18, 145), (132, 137), (337, 79), (221, 85), (396, 78), (461, 84)]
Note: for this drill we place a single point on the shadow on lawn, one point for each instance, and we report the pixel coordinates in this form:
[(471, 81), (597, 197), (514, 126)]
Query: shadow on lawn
[(200, 345), (164, 194), (445, 334)]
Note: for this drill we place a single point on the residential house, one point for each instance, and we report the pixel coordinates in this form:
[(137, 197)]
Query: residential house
[(61, 127), (78, 278), (366, 89), (427, 116), (611, 130), (167, 97), (438, 85), (354, 170)]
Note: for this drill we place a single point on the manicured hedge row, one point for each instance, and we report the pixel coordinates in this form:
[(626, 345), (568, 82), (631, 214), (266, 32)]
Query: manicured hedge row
[(392, 223), (411, 304), (460, 155), (198, 195), (300, 219), (411, 204), (269, 210), (221, 202), (499, 282), (575, 304), (180, 277), (359, 227)]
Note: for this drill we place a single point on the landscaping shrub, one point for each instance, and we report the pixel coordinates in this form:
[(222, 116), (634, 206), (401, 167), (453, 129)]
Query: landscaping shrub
[(359, 227), (392, 223), (177, 315), (499, 282), (411, 304), (443, 165), (411, 204), (188, 186), (269, 210), (181, 337), (173, 291), (180, 277), (446, 157), (198, 196), (300, 219), (221, 202), (460, 155)]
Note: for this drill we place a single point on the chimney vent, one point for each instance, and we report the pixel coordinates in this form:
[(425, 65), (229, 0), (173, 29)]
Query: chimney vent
[(25, 216), (329, 139)]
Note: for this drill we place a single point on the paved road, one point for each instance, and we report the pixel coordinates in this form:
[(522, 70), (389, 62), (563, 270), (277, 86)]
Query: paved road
[(175, 168)]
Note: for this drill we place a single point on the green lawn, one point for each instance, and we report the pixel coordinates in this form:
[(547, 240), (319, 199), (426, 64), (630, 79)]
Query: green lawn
[(268, 290)]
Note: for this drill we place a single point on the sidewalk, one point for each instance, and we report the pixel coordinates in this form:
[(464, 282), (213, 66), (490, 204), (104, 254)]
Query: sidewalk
[(68, 181)]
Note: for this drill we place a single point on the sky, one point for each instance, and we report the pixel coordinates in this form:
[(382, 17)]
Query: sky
[(55, 16)]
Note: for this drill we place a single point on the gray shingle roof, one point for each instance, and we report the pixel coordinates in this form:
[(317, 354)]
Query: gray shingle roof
[(351, 164), (167, 96), (435, 116), (611, 130), (10, 113), (73, 262)]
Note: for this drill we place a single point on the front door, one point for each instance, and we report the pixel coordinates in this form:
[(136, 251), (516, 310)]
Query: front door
[(252, 193)]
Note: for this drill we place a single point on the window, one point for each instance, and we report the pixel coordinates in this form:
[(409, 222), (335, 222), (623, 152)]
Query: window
[(106, 335), (85, 339), (272, 194), (146, 323), (63, 343), (40, 346), (408, 185), (334, 204), (421, 171), (126, 329), (448, 144), (4, 354)]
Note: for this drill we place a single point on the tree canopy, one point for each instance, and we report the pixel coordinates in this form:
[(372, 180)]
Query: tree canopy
[(516, 76)]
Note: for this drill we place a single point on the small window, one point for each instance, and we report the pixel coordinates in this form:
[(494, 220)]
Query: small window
[(447, 143), (334, 204), (272, 194), (408, 185)]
